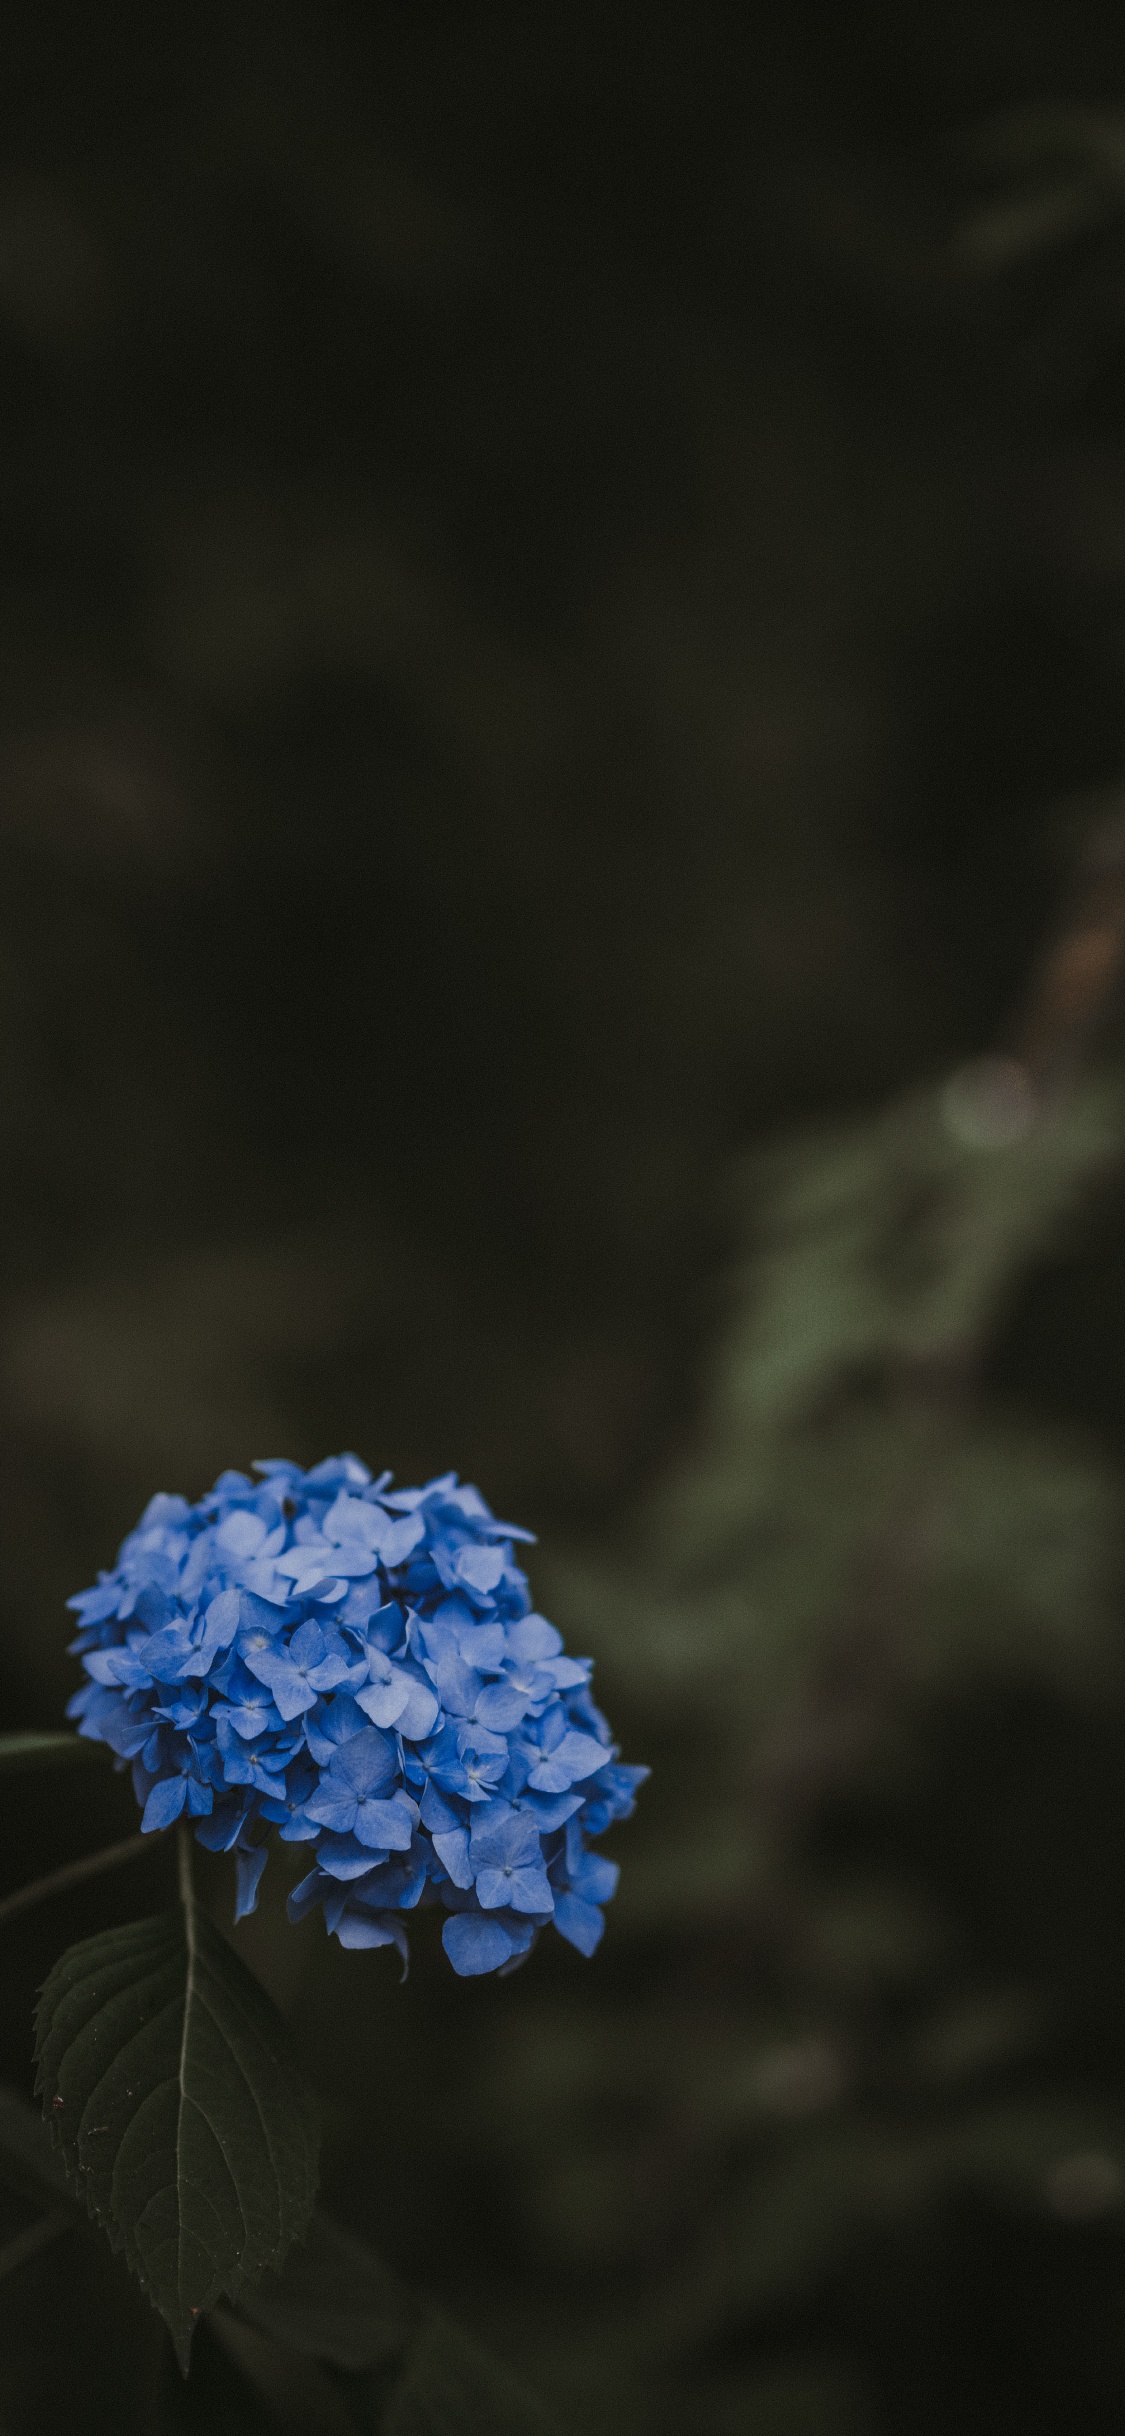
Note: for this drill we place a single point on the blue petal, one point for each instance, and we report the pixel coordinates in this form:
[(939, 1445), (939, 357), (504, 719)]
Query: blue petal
[(343, 1856), (530, 1891), (580, 1923), (223, 1828), (475, 1945), (385, 1826), (359, 1928), (452, 1849), (334, 1807), (551, 1810), (164, 1803), (503, 1837), (401, 1539), (438, 1814), (305, 1897), (248, 1867), (480, 1568)]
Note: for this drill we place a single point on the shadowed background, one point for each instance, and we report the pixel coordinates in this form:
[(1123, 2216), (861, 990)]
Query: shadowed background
[(560, 646)]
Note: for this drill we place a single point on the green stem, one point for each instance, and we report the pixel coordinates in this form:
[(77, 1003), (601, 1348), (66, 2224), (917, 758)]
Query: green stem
[(187, 1888), (58, 1880)]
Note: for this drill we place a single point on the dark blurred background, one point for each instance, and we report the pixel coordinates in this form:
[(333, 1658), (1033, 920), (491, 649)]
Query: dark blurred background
[(561, 647)]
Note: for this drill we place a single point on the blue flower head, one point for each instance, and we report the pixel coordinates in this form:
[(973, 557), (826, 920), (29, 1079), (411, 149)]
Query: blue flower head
[(359, 1668)]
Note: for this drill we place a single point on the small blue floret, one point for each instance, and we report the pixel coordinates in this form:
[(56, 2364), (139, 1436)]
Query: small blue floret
[(359, 1668)]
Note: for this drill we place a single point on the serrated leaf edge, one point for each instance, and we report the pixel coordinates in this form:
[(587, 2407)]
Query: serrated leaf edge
[(79, 2180)]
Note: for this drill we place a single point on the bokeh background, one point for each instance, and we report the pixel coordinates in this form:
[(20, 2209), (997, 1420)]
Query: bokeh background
[(562, 635)]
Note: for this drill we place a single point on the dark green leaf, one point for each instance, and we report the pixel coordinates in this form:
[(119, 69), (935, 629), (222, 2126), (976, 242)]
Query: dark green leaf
[(451, 2387), (18, 1751), (299, 2395), (182, 2118), (333, 2299)]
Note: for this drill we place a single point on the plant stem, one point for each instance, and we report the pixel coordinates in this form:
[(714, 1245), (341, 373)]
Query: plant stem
[(186, 1886), (73, 1874)]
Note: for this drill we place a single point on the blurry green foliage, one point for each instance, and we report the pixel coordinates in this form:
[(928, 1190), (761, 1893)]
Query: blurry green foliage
[(860, 1543)]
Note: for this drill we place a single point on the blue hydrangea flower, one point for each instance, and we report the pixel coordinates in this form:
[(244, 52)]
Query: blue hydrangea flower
[(359, 1668)]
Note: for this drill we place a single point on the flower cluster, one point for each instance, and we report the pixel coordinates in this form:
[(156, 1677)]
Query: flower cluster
[(360, 1668)]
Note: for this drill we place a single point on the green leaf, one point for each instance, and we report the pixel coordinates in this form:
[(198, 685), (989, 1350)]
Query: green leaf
[(336, 2300), (182, 2119), (19, 1751), (299, 2395), (451, 2387), (333, 2299)]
